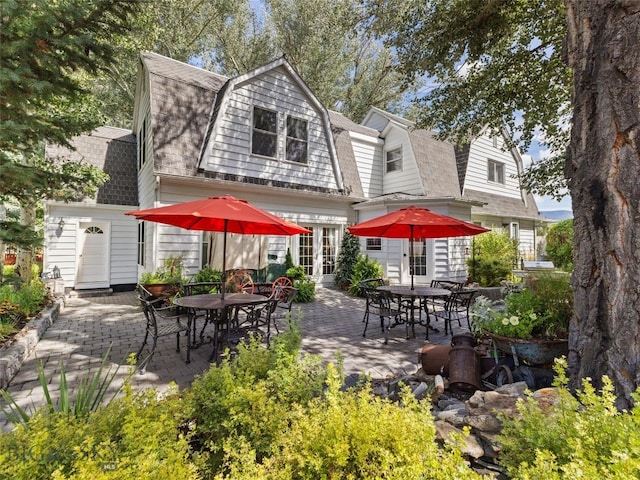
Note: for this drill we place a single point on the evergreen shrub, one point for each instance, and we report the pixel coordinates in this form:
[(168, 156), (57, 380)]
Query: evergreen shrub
[(347, 259), (363, 269)]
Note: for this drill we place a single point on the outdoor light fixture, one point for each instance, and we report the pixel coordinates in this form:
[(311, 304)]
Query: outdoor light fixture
[(61, 223)]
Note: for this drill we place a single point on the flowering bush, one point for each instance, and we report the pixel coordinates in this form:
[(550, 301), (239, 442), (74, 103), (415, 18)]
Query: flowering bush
[(488, 318), (541, 310)]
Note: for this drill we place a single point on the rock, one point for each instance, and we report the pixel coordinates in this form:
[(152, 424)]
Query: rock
[(484, 423), (472, 447), (546, 397), (514, 389), (454, 417)]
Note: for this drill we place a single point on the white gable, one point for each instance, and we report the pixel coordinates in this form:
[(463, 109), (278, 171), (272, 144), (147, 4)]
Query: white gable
[(229, 147)]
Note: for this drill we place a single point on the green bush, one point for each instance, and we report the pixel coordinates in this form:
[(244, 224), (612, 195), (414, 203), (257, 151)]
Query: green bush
[(252, 396), (582, 437), (208, 274), (493, 260), (306, 291), (363, 269), (347, 259), (135, 437), (560, 244), (351, 435)]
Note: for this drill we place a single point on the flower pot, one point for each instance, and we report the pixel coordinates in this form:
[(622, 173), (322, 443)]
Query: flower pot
[(533, 351), (162, 289)]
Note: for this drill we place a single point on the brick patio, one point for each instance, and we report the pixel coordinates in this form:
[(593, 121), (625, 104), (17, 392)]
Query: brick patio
[(87, 326)]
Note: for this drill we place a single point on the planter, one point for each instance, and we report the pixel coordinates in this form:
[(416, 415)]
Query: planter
[(162, 289), (533, 351)]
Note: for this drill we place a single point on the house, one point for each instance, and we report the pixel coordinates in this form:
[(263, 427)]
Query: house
[(264, 137)]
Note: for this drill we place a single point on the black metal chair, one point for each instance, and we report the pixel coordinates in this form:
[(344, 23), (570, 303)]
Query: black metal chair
[(379, 303), (369, 283), (239, 322), (161, 320), (199, 288), (456, 308)]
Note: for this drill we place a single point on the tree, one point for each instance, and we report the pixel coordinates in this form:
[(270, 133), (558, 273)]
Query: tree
[(48, 51), (501, 62), (493, 64), (329, 43), (603, 50), (560, 244), (347, 259)]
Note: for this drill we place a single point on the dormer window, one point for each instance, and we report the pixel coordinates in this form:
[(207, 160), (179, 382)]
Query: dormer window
[(394, 160), (264, 140), (297, 140), (495, 171)]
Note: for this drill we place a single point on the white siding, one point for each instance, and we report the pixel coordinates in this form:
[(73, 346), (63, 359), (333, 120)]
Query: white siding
[(407, 180), (368, 155), (308, 211), (230, 151), (61, 243), (482, 150)]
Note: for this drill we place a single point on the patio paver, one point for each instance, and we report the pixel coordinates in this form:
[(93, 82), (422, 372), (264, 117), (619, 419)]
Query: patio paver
[(87, 326)]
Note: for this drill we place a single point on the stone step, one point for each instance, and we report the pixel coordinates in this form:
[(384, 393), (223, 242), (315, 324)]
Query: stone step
[(92, 292)]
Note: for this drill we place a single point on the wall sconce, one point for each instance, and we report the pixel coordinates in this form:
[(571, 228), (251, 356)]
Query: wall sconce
[(466, 251), (61, 223)]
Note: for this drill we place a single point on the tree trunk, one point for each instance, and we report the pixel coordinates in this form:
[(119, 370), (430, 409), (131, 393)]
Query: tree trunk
[(25, 256), (603, 165)]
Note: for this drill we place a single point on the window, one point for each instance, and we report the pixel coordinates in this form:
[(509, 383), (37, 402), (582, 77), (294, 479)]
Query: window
[(264, 140), (496, 142), (374, 244), (515, 231), (329, 242), (394, 160), (305, 251), (141, 243), (204, 253), (418, 263), (496, 171), (296, 140), (142, 144)]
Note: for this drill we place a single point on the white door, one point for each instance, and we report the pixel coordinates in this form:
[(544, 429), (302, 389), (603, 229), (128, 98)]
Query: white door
[(93, 255), (317, 252), (423, 261)]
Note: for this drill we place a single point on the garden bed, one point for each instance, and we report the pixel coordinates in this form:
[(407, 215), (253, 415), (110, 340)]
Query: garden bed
[(19, 346)]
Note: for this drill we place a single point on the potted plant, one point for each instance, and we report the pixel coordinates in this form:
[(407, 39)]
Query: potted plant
[(166, 280), (532, 322)]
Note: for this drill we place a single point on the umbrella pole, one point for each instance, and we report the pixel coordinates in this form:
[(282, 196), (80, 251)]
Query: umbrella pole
[(224, 259), (411, 253)]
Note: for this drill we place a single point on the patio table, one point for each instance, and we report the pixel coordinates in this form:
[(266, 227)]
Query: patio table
[(411, 293), (217, 309)]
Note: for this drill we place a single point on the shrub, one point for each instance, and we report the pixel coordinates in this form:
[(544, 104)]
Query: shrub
[(347, 259), (560, 244), (494, 258), (306, 291), (352, 434), (363, 269), (252, 396), (580, 438), (208, 274), (136, 436)]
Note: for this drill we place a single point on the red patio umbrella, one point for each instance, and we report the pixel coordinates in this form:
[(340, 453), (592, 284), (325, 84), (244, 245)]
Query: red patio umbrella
[(414, 222), (220, 214)]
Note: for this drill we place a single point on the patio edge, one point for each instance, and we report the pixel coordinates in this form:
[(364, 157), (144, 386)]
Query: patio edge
[(12, 356)]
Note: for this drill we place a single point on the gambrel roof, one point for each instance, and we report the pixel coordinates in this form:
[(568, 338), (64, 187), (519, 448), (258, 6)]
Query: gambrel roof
[(185, 102)]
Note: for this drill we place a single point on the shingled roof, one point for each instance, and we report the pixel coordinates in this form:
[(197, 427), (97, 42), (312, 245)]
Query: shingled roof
[(501, 206), (340, 127), (181, 100), (112, 150), (184, 103), (436, 164)]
